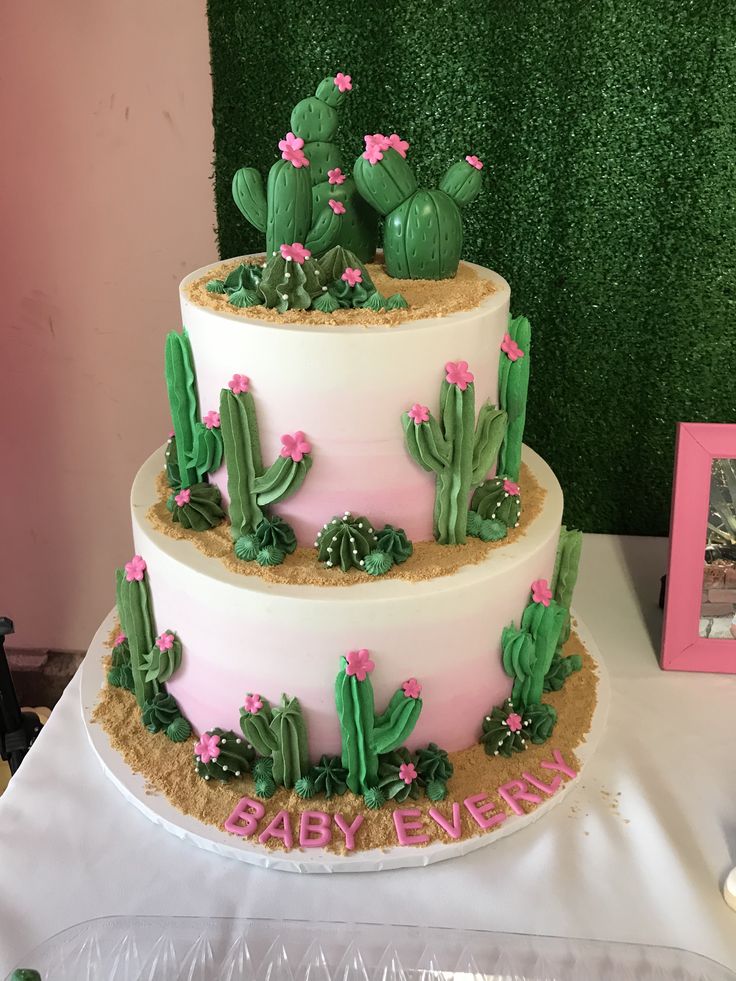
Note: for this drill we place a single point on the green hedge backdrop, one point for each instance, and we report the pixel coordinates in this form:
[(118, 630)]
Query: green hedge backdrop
[(607, 129)]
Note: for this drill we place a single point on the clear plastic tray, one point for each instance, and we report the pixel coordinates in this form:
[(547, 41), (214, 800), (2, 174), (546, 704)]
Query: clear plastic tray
[(201, 949)]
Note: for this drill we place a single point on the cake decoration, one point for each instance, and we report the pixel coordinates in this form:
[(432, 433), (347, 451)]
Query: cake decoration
[(328, 778), (487, 529), (528, 651), (346, 542), (498, 499), (278, 732), (222, 754), (241, 285), (422, 230), (164, 658), (474, 161), (198, 507), (565, 573), (337, 206), (412, 688), (239, 384), (395, 543), (541, 593), (457, 450), (504, 730), (377, 563), (513, 386), (135, 569), (296, 446)]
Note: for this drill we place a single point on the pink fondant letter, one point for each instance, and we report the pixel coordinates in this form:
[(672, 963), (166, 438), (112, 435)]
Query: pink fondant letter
[(514, 791), (349, 830), (280, 827), (314, 829), (559, 764), (546, 788), (404, 824), (454, 828), (478, 806), (245, 817)]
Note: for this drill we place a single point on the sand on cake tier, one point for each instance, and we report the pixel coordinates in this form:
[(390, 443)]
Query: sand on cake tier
[(346, 387), (243, 634)]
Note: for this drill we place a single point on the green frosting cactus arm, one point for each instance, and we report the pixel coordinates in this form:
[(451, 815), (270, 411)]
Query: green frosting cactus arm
[(513, 386), (458, 454), (182, 389), (249, 196), (423, 230), (279, 733), (134, 610), (364, 734)]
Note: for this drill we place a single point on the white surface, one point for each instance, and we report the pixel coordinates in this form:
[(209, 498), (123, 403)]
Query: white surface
[(71, 848), (157, 809)]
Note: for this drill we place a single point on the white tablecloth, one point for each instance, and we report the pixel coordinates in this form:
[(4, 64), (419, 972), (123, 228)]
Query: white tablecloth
[(637, 852)]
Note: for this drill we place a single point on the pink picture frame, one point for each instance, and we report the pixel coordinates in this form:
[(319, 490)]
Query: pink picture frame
[(683, 648)]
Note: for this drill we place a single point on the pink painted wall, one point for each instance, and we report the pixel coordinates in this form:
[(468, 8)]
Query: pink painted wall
[(105, 203)]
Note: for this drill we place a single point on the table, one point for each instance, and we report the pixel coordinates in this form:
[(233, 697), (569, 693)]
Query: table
[(637, 852)]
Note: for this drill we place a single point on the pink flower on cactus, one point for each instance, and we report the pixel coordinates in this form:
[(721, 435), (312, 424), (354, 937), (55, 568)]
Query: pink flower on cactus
[(335, 176), (252, 703), (212, 419), (343, 82), (207, 749), (295, 446), (295, 252), (396, 143), (183, 497), (291, 150), (511, 488), (510, 348), (514, 722), (171, 434), (359, 664), (337, 206), (120, 639), (352, 276), (165, 641), (374, 146), (408, 773), (541, 593), (419, 413), (474, 162), (458, 374), (134, 569), (238, 384), (412, 688)]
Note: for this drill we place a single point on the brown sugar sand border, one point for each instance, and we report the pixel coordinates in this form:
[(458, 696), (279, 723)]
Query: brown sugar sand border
[(168, 769), (427, 299), (428, 561)]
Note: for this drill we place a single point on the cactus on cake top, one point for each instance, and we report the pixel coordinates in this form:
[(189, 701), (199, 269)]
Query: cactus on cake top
[(422, 229)]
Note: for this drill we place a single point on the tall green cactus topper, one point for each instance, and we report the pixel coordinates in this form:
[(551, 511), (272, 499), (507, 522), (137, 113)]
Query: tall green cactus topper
[(423, 230), (457, 450)]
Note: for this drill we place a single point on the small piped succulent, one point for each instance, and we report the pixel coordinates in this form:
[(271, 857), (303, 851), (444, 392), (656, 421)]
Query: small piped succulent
[(396, 302), (121, 677), (270, 555), (263, 776), (560, 670), (378, 563), (304, 787), (499, 500), (433, 766), (505, 730), (222, 754), (374, 798), (394, 541), (329, 776), (541, 720), (240, 286), (346, 542), (398, 778), (197, 507), (246, 548), (179, 730), (269, 544), (159, 712), (487, 529)]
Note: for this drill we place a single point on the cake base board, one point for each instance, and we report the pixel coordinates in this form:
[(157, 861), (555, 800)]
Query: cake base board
[(159, 810)]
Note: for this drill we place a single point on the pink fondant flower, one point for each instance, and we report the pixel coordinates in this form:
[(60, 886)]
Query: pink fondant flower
[(337, 206), (335, 176), (295, 252), (165, 641), (207, 748), (412, 688), (458, 374), (359, 664), (474, 162), (343, 82), (252, 703), (541, 593), (352, 276), (295, 446), (408, 773), (291, 150), (171, 434), (120, 639), (514, 722), (212, 419), (396, 143), (419, 413), (510, 487), (135, 568), (374, 146), (183, 497), (239, 383), (510, 348)]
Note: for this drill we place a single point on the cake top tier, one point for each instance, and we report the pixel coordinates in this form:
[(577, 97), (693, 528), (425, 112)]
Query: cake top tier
[(321, 224)]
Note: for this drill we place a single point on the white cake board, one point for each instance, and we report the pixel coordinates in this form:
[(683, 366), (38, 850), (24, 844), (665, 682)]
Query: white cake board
[(157, 808)]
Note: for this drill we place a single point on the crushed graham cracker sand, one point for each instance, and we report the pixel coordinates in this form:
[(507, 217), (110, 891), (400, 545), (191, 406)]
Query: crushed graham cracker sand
[(427, 298), (169, 767), (428, 561)]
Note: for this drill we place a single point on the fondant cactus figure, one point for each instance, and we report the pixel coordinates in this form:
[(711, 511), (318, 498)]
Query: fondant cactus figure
[(346, 541), (528, 651), (136, 619), (498, 499), (278, 732), (222, 754), (457, 450), (513, 386), (366, 735), (422, 230), (251, 486)]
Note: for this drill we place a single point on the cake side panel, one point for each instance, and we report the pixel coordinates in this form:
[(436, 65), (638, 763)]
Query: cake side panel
[(346, 390)]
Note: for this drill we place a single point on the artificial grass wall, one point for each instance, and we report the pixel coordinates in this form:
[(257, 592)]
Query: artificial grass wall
[(607, 129)]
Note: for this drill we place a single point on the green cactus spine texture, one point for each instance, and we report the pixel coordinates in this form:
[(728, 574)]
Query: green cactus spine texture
[(423, 229), (365, 734), (278, 732), (456, 449), (251, 486), (513, 387), (136, 619)]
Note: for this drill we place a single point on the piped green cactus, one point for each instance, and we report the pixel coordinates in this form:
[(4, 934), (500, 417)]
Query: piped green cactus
[(251, 486), (457, 450), (366, 735), (278, 732), (498, 499), (232, 756), (565, 574), (423, 230), (346, 541), (134, 611), (528, 651), (513, 386)]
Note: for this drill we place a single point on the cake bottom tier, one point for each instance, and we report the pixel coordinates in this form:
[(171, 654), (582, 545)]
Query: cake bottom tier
[(242, 634)]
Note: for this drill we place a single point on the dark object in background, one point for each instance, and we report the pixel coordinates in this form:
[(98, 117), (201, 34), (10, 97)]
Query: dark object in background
[(18, 730)]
